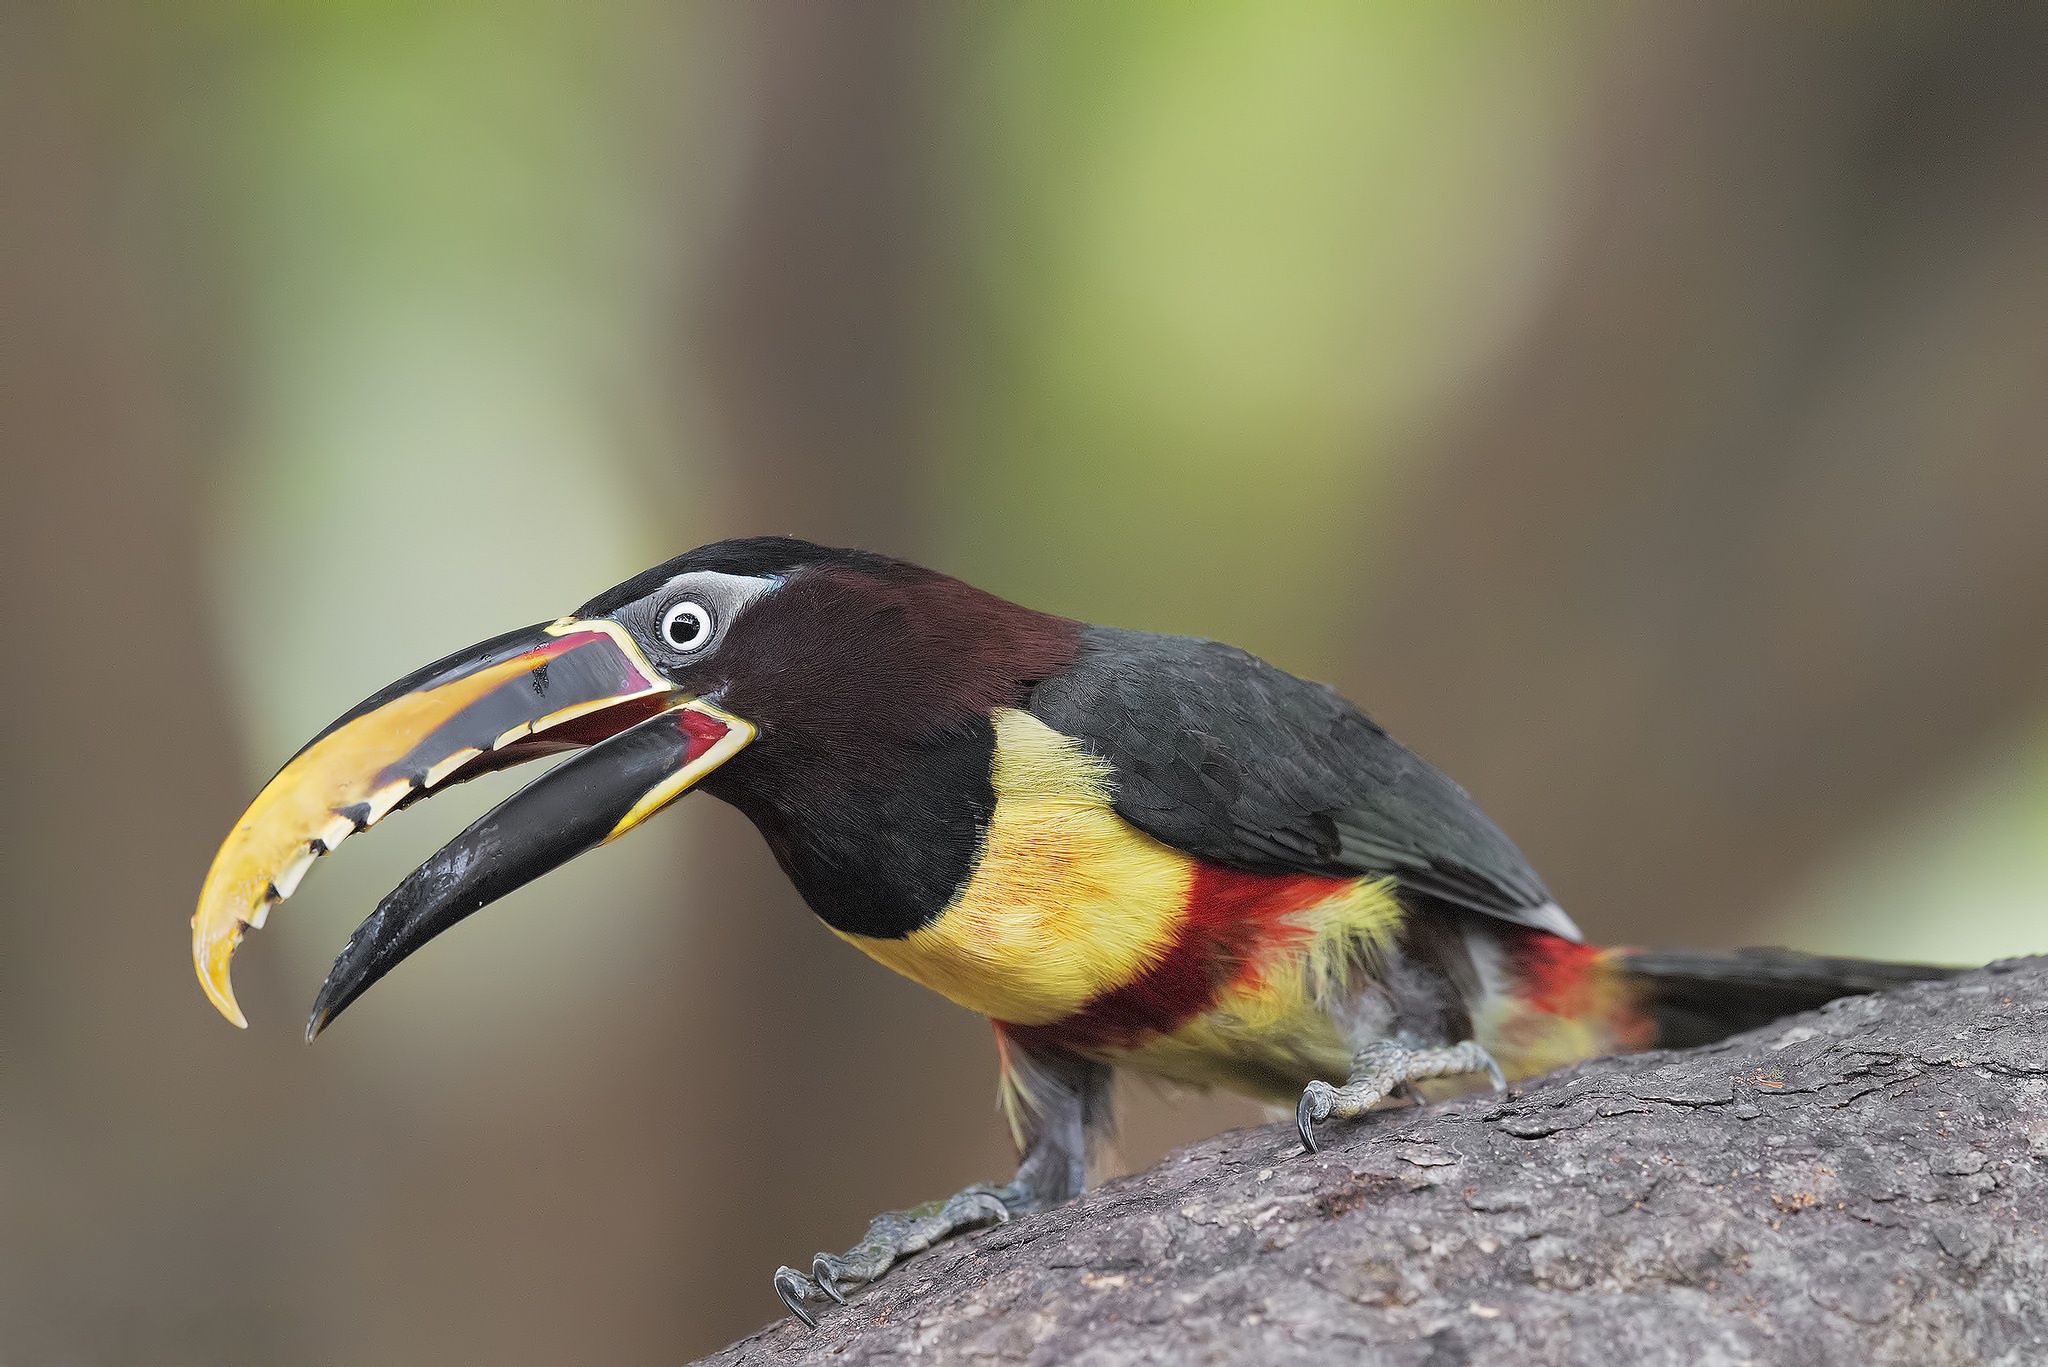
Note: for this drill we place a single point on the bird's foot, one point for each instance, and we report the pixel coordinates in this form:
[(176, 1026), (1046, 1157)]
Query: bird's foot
[(1380, 1069), (893, 1236)]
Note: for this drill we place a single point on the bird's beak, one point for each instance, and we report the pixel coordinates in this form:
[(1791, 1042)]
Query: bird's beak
[(569, 684)]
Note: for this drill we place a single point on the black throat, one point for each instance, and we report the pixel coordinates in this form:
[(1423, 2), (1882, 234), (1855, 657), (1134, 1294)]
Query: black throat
[(878, 843)]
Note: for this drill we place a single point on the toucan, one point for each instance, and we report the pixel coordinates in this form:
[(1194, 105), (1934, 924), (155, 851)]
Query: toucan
[(1127, 850)]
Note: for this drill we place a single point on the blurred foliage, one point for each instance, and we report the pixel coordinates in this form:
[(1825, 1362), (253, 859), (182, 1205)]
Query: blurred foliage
[(1960, 878), (1211, 271), (454, 250)]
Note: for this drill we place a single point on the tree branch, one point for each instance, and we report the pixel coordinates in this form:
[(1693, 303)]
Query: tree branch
[(1863, 1184)]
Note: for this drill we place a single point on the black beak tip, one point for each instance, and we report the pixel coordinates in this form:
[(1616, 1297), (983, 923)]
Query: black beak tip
[(346, 981), (325, 1008), (362, 961)]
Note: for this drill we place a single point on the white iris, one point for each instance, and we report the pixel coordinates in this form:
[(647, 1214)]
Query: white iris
[(686, 626)]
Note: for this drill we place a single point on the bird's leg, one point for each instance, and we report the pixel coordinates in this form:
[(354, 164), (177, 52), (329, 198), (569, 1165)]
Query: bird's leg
[(1380, 1068), (891, 1236), (1069, 1095)]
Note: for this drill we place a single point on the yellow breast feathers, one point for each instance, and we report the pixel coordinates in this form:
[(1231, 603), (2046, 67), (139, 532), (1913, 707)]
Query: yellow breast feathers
[(1066, 901)]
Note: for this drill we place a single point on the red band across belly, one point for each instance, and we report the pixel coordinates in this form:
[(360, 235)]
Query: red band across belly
[(1236, 924)]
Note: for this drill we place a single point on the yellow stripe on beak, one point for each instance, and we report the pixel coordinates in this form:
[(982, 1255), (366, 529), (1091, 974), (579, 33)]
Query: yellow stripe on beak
[(358, 771)]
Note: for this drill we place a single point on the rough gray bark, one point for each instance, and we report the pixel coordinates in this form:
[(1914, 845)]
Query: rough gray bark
[(1863, 1184)]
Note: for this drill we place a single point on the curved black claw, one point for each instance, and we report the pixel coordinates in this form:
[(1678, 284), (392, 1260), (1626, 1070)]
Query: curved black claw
[(1305, 1118), (990, 1200), (790, 1285), (821, 1275)]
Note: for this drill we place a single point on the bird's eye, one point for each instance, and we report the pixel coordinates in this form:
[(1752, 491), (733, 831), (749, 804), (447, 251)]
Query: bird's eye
[(686, 626)]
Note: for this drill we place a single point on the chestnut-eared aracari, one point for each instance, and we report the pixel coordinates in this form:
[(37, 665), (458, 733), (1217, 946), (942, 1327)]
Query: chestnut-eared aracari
[(1127, 850)]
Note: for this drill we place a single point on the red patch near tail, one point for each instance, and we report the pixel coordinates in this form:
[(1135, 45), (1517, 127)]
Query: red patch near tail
[(1556, 975), (1234, 923), (1581, 983)]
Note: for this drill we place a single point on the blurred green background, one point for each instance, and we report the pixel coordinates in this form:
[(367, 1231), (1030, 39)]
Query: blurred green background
[(1639, 409)]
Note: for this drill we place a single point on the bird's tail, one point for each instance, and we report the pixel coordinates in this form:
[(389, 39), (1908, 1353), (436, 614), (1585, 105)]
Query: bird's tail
[(1699, 996)]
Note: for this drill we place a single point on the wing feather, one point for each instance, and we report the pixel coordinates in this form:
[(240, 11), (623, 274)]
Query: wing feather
[(1220, 754)]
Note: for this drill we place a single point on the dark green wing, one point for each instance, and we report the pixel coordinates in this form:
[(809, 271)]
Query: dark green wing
[(1220, 754)]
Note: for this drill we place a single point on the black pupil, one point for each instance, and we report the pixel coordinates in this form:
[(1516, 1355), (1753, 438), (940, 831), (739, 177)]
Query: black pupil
[(685, 626)]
